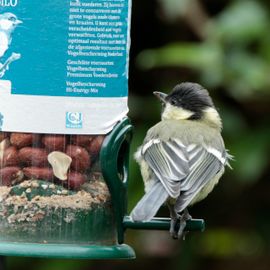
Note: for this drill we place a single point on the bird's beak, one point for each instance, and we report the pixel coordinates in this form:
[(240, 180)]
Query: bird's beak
[(161, 96), (18, 22)]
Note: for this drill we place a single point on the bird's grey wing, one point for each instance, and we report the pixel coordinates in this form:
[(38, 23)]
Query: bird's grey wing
[(205, 163), (169, 162), (183, 170)]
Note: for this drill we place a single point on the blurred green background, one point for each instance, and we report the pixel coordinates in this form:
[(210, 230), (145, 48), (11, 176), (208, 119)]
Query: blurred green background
[(225, 46)]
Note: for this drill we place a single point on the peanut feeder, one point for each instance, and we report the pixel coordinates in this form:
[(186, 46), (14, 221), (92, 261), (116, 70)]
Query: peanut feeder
[(63, 91), (64, 135)]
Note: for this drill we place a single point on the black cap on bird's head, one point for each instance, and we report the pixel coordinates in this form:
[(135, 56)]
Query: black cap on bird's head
[(191, 98)]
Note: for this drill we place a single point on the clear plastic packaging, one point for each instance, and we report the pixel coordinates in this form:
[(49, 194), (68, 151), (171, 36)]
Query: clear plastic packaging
[(59, 87), (52, 189)]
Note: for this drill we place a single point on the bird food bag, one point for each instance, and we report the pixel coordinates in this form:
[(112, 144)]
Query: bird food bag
[(63, 87)]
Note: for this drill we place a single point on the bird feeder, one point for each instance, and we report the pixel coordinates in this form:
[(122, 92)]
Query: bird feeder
[(64, 134)]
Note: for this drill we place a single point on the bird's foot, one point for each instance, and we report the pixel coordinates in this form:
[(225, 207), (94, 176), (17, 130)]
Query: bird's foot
[(15, 56), (178, 225), (183, 223), (173, 226), (4, 67)]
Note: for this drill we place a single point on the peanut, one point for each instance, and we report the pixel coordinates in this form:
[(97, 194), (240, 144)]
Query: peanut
[(75, 180), (3, 135), (9, 157), (82, 140), (10, 176), (95, 146), (54, 142), (80, 158), (38, 173), (36, 157), (21, 140)]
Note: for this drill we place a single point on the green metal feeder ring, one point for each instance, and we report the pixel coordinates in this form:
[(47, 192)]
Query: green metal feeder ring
[(114, 160), (66, 251), (162, 224)]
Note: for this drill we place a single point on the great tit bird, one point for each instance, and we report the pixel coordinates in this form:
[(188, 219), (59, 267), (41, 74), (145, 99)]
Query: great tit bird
[(8, 22), (182, 157)]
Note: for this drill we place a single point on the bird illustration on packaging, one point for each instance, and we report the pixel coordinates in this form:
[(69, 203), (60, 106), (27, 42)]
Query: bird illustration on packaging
[(8, 23)]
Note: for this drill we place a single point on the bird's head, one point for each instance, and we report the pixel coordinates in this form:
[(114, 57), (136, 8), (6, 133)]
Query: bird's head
[(189, 101), (8, 22)]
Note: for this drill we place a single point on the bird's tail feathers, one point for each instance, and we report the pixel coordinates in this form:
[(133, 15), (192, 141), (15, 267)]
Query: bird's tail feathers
[(150, 203)]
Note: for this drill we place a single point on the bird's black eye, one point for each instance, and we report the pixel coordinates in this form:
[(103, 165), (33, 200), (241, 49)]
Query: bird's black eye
[(174, 101), (13, 19)]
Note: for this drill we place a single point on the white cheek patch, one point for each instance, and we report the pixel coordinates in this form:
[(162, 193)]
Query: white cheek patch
[(176, 113), (211, 115)]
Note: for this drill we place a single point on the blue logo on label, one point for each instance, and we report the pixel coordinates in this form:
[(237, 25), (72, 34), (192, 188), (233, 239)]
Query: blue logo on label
[(74, 120), (1, 121)]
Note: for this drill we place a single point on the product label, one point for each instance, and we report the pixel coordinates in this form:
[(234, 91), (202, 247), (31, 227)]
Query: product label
[(63, 65)]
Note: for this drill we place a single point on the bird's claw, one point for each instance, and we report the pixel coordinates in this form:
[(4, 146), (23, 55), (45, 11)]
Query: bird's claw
[(4, 67), (15, 56), (178, 225), (173, 226)]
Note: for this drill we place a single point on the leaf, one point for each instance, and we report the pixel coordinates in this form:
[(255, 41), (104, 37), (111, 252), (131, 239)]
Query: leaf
[(251, 154), (246, 74), (190, 55), (224, 243), (242, 22), (173, 9)]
